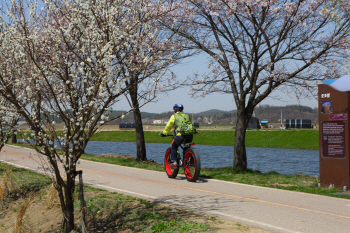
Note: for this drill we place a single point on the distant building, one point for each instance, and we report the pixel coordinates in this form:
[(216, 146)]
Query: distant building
[(147, 121), (254, 123), (126, 125), (157, 122), (264, 123), (298, 123), (205, 119)]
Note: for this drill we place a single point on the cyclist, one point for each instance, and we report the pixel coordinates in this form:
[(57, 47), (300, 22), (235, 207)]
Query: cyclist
[(175, 120)]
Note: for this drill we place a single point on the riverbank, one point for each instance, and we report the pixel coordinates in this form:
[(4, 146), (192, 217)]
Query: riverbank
[(291, 139)]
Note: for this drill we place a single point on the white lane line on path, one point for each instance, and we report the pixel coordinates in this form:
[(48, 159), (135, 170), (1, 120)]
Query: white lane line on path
[(121, 190), (16, 165), (254, 222)]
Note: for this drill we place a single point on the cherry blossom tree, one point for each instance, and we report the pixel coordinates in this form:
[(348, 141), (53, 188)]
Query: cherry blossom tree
[(166, 49), (257, 47), (331, 9), (72, 60), (8, 122)]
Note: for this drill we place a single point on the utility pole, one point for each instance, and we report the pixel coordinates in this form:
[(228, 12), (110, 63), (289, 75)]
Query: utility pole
[(281, 120), (122, 114)]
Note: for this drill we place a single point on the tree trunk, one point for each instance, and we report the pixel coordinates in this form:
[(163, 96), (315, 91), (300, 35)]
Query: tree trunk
[(14, 138), (240, 156), (69, 198), (140, 138)]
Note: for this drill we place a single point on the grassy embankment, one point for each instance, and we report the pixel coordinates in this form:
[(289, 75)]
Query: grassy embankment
[(298, 139)]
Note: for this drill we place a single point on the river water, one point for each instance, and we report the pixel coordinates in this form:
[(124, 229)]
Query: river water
[(283, 161)]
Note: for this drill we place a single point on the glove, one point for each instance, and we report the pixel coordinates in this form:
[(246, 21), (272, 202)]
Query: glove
[(162, 135)]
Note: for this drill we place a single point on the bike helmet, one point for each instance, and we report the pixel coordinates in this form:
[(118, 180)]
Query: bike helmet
[(178, 107)]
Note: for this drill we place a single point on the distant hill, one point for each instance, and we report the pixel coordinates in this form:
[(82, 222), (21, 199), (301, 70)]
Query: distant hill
[(273, 113), (213, 112), (262, 112)]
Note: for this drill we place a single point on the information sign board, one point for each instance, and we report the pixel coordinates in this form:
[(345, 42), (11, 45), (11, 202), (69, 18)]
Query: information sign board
[(333, 139)]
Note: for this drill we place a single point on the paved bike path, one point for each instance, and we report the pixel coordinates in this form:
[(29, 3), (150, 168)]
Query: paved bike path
[(265, 208)]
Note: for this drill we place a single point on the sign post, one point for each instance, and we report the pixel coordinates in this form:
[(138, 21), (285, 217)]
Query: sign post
[(334, 135)]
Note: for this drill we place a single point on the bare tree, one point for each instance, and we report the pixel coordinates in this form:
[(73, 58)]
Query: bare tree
[(259, 46), (65, 62)]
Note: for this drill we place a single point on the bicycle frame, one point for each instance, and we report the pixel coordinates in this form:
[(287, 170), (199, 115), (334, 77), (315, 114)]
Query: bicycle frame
[(184, 147)]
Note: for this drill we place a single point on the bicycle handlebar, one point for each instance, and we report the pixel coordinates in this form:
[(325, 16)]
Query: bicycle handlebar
[(167, 135), (171, 135)]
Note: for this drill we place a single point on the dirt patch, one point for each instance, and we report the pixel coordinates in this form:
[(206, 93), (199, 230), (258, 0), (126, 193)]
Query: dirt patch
[(37, 217)]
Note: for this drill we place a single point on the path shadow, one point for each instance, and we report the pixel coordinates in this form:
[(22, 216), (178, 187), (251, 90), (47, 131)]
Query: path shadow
[(200, 179), (205, 203)]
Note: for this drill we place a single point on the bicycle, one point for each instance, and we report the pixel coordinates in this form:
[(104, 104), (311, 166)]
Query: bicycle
[(190, 162)]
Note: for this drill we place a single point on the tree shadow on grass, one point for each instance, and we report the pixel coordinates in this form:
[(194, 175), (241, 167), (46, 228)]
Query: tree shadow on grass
[(115, 213)]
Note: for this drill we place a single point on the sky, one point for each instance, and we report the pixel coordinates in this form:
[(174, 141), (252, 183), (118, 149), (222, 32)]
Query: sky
[(225, 102)]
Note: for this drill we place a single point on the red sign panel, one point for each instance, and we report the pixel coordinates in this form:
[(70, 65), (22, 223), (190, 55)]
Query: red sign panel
[(338, 117), (333, 139)]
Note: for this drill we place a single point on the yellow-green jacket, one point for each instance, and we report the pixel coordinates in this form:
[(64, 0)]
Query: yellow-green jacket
[(172, 121)]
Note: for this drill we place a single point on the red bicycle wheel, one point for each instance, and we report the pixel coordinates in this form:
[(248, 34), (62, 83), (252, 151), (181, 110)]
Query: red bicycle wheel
[(171, 172), (192, 164)]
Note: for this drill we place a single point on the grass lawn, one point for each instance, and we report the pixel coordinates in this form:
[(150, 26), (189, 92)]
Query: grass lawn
[(293, 139)]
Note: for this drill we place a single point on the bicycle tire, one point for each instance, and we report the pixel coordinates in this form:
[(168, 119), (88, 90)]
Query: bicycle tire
[(171, 172), (192, 164)]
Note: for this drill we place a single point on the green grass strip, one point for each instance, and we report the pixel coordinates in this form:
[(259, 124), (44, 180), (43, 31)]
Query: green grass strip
[(292, 139)]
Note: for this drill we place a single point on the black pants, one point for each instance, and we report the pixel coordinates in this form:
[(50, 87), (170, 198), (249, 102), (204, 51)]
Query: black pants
[(178, 140)]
